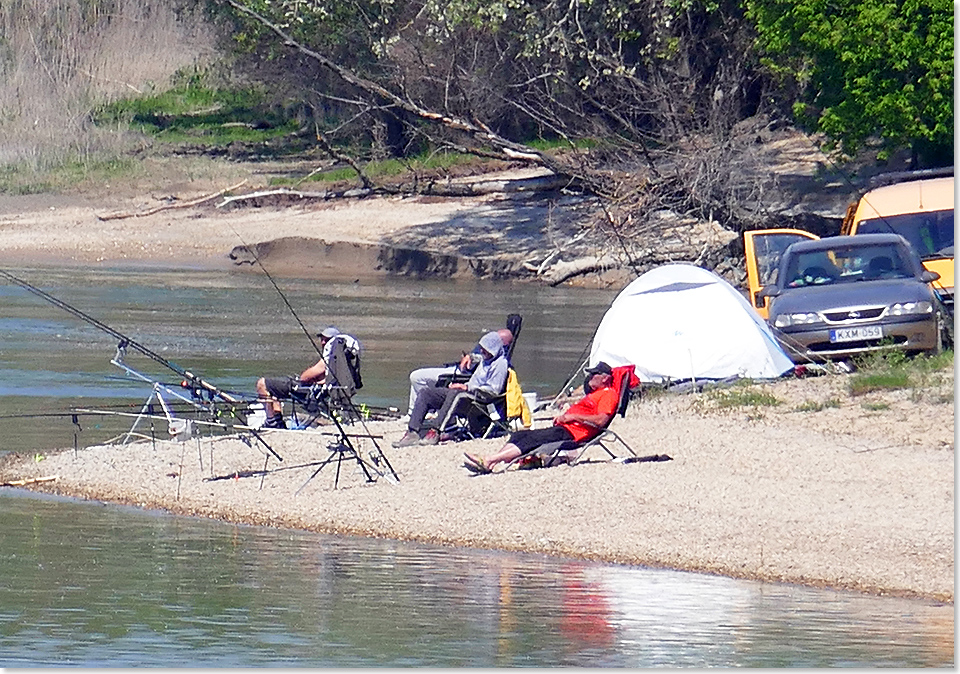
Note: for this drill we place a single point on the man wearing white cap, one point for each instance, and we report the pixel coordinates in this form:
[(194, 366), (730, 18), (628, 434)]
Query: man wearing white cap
[(272, 390)]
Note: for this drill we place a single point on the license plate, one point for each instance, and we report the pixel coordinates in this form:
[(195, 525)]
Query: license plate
[(856, 334)]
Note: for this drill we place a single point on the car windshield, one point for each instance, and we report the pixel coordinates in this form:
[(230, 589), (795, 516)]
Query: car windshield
[(930, 234), (845, 264)]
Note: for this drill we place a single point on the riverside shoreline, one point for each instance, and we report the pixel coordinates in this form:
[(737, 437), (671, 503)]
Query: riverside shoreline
[(857, 495), (825, 489)]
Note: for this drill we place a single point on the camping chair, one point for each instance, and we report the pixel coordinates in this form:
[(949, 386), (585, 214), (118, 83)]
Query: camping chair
[(514, 323), (489, 413), (555, 453), (334, 396), (333, 399), (487, 416)]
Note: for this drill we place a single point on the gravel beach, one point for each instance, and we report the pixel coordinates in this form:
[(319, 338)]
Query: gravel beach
[(857, 495), (824, 488)]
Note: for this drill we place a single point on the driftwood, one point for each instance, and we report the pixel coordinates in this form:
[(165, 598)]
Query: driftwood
[(562, 271), (426, 188), (545, 183), (167, 207), (30, 480), (279, 192)]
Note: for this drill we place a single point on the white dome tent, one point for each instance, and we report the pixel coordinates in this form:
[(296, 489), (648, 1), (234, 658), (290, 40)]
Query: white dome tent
[(681, 322)]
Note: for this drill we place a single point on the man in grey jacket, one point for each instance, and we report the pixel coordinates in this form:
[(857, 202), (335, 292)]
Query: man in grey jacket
[(489, 377)]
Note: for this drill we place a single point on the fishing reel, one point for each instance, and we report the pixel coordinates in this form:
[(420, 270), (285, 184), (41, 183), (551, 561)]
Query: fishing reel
[(121, 351)]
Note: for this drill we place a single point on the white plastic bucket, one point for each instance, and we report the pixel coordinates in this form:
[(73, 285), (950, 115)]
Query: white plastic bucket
[(531, 399), (256, 416)]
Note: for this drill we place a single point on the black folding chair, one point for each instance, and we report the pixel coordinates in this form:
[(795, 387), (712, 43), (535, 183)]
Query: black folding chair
[(334, 400), (334, 397), (477, 415)]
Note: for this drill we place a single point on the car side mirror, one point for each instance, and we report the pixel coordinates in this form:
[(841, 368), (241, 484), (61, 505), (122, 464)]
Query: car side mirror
[(771, 290), (929, 276)]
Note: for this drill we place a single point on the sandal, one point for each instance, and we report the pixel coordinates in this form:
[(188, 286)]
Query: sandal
[(476, 464), (473, 468)]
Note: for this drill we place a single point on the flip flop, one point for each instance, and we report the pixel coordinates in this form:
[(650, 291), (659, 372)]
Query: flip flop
[(473, 468), (476, 464)]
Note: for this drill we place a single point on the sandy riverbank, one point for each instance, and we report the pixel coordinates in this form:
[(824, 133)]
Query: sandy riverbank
[(858, 494), (195, 226)]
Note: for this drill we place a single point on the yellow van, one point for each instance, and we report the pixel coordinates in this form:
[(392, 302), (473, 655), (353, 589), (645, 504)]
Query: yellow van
[(921, 211)]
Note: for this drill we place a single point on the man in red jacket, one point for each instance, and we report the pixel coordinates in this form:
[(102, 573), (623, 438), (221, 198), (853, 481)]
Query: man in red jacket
[(581, 421)]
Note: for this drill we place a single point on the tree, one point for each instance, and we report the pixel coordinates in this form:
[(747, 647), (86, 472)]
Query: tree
[(863, 69), (643, 96)]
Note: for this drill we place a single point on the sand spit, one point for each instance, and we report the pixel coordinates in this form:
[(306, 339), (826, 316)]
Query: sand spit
[(824, 489)]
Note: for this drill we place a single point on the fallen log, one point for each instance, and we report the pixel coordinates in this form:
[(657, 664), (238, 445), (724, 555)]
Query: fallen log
[(167, 207), (279, 192), (563, 271)]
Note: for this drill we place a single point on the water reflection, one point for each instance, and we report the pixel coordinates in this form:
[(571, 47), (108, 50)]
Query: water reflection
[(95, 585)]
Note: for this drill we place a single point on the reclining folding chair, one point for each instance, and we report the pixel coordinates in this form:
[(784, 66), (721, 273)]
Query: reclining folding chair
[(554, 453), (335, 395), (490, 410), (491, 413)]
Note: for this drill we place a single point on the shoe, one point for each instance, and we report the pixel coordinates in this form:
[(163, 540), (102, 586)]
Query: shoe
[(274, 422), (476, 464), (448, 437), (409, 438), (431, 438)]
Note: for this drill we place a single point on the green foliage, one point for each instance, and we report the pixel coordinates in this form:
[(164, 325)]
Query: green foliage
[(889, 380), (620, 69), (864, 68), (426, 162), (24, 180), (195, 112), (893, 370)]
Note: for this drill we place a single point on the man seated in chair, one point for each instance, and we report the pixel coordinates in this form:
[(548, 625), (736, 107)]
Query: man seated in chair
[(426, 377), (489, 377), (580, 422), (273, 390)]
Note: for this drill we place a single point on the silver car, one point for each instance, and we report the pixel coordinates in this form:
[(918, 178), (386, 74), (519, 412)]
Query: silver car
[(844, 295)]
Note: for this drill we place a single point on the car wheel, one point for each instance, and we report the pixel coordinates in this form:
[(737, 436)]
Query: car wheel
[(942, 336), (945, 338)]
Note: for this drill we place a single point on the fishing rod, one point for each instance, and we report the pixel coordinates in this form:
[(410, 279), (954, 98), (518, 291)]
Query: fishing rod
[(123, 339), (256, 258)]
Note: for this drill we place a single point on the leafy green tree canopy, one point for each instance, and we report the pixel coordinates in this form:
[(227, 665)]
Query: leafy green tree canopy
[(865, 68)]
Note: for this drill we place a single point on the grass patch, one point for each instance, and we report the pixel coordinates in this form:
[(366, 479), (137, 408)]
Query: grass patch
[(893, 370), (427, 162), (745, 397), (867, 382), (875, 406), (20, 180), (194, 112), (545, 145), (816, 406)]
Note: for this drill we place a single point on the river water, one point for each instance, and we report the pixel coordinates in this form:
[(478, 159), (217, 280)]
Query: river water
[(92, 585)]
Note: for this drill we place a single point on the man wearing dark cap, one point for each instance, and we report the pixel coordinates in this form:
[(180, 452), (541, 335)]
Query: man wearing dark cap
[(580, 422), (272, 390)]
